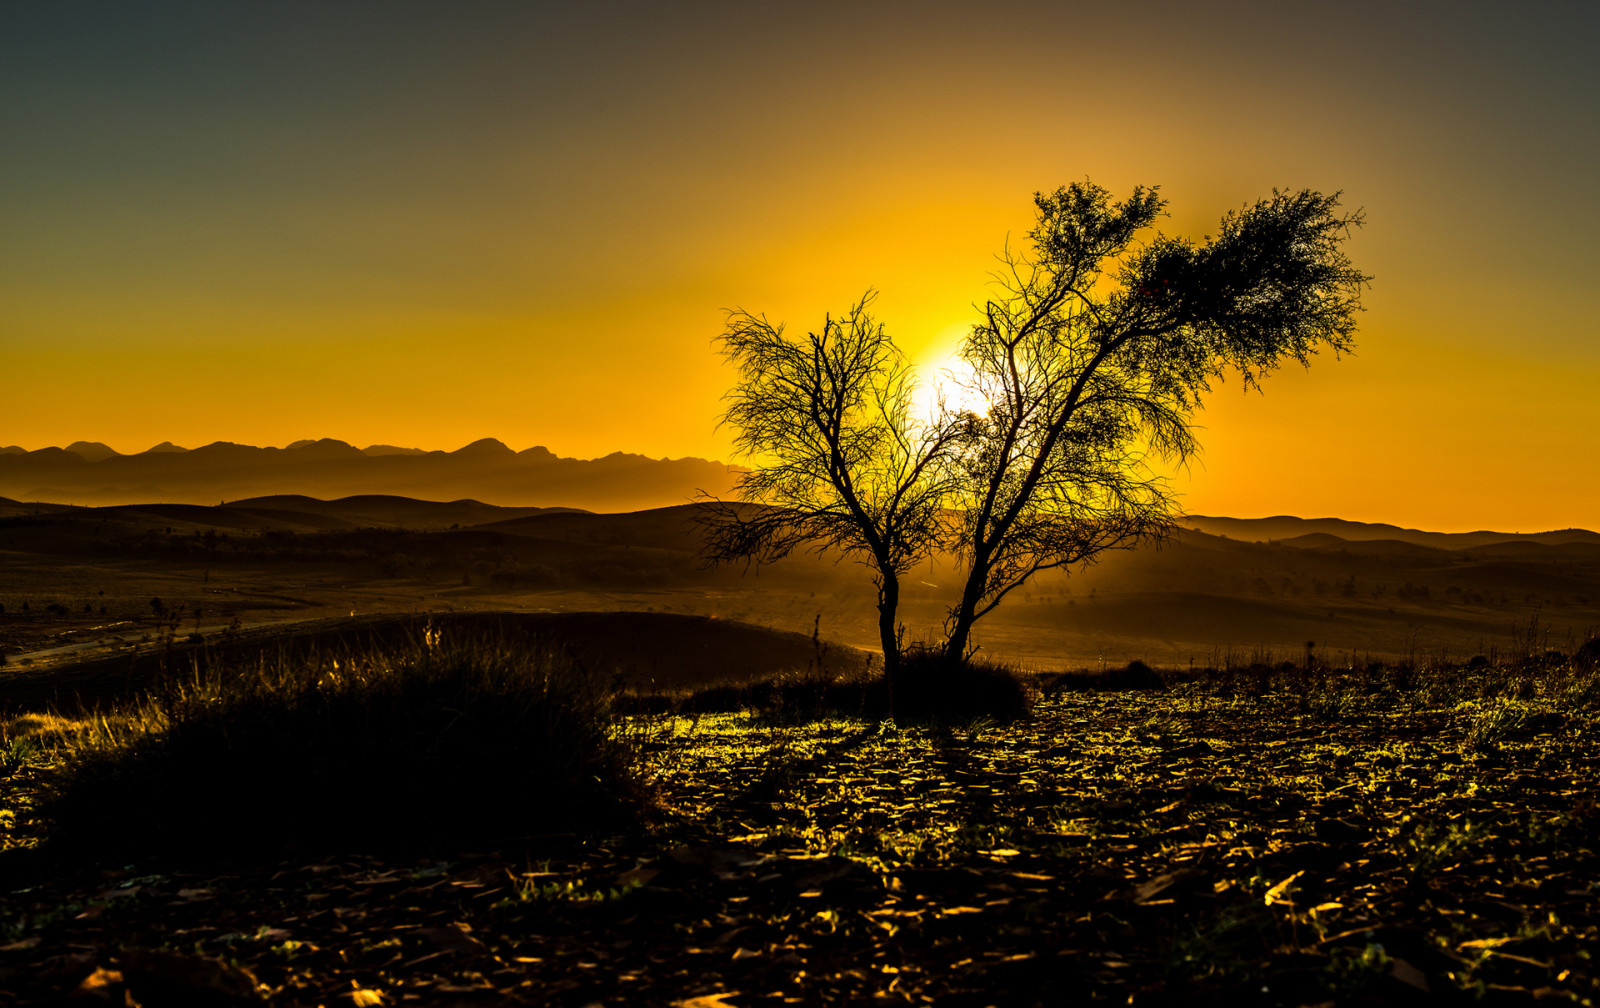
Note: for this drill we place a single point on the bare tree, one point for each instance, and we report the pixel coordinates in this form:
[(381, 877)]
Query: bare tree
[(840, 463), (1094, 360)]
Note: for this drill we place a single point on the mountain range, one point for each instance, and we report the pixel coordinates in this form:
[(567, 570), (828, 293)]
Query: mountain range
[(92, 473), (1312, 533)]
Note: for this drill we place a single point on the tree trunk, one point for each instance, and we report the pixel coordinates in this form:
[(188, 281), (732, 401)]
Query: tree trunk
[(889, 635), (955, 646)]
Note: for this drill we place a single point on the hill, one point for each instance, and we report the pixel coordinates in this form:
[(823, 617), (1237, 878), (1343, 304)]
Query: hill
[(643, 651), (86, 574)]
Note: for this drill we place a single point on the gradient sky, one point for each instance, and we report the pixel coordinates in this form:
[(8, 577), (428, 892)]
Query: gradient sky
[(422, 224)]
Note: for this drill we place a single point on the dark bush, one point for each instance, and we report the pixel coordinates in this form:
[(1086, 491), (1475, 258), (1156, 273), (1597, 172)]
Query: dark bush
[(1136, 675), (441, 743), (1588, 654), (934, 687), (930, 689)]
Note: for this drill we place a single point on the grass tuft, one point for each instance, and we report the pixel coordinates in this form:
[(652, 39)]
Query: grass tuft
[(467, 742)]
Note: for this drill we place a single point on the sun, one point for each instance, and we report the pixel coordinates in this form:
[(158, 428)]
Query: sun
[(941, 372)]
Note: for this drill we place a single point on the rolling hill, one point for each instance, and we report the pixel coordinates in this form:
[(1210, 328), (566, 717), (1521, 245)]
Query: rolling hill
[(1199, 597)]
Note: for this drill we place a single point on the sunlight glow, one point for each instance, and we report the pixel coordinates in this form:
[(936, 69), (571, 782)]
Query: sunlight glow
[(942, 373)]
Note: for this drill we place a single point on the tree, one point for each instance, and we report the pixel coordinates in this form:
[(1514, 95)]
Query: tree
[(841, 463), (1095, 358), (1090, 363)]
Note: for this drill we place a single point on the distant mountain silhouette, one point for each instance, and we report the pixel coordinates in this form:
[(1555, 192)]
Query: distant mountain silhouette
[(485, 470), (484, 447), (94, 451), (386, 449), (1327, 533)]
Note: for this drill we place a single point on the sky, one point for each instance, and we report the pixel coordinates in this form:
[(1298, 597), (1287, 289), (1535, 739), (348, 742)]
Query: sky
[(424, 223)]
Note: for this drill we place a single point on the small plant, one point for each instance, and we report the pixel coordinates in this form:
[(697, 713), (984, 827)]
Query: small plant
[(1489, 722), (1433, 845), (1330, 704), (19, 752)]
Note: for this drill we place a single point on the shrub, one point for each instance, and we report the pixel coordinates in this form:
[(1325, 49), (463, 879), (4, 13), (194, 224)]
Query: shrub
[(1136, 675), (934, 687), (1588, 655), (930, 689), (435, 743), (1485, 724)]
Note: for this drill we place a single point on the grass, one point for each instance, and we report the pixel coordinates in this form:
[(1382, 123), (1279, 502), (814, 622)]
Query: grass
[(445, 741), (1272, 835)]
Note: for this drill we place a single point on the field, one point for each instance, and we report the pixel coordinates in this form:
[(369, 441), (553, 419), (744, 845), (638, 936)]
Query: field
[(1269, 835), (1365, 774)]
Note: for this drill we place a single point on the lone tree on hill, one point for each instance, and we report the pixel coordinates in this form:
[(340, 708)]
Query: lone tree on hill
[(1093, 360), (846, 467)]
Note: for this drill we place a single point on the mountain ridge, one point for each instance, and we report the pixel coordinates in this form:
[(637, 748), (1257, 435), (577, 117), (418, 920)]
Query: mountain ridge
[(486, 469), (1292, 531)]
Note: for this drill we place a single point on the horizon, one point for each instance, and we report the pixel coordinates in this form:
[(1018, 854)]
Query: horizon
[(1182, 515), (412, 224)]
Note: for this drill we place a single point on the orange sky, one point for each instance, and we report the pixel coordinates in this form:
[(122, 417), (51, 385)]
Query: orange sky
[(424, 224)]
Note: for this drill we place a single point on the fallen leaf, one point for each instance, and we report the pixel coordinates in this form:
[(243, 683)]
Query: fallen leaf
[(1276, 892), (1168, 880), (103, 983), (1485, 943)]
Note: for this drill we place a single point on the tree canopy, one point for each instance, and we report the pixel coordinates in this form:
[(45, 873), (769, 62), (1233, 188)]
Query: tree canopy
[(845, 467), (1095, 357)]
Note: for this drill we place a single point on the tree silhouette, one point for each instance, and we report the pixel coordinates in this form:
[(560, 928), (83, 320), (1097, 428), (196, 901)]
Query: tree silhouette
[(840, 463), (1095, 357), (1090, 363)]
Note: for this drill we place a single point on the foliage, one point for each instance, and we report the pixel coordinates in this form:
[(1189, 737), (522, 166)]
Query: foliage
[(842, 464), (468, 741), (1097, 353)]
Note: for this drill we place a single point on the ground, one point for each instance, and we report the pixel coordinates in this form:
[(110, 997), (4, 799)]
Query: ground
[(1287, 838)]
